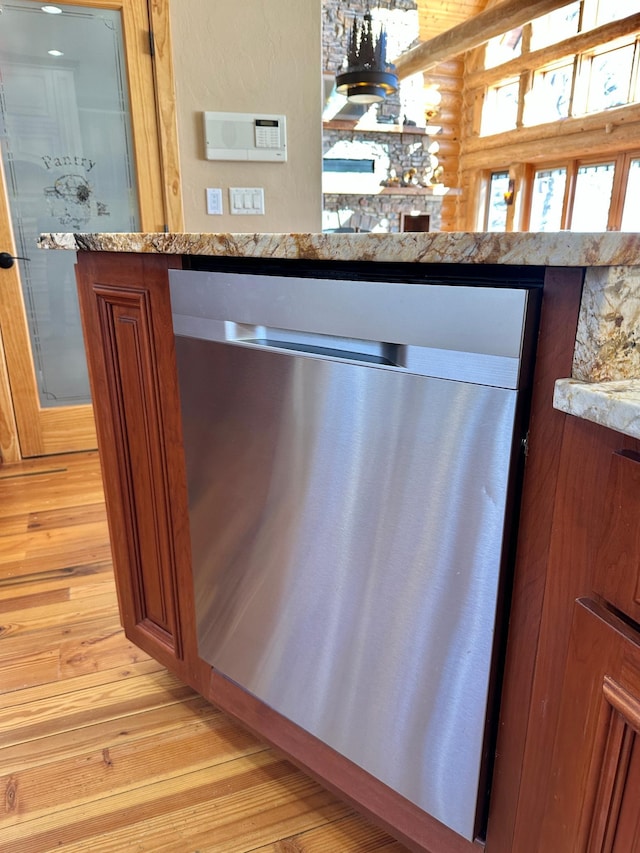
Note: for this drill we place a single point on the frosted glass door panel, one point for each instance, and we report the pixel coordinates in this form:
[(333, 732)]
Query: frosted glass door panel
[(67, 154)]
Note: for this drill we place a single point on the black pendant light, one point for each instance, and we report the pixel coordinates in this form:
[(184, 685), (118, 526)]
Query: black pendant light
[(366, 77)]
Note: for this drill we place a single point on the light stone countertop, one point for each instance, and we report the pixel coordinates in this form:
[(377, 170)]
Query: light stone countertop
[(614, 404), (605, 382), (605, 379), (562, 248)]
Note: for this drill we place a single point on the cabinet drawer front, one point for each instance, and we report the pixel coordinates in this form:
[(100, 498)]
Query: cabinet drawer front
[(617, 568)]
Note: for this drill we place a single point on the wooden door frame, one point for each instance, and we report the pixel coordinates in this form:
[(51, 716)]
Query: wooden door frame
[(152, 93)]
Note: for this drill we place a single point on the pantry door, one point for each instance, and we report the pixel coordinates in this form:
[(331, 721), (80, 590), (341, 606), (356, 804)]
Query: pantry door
[(87, 145)]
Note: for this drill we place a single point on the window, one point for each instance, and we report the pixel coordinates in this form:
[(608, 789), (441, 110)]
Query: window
[(547, 199), (555, 26), (598, 12), (496, 219), (550, 95), (592, 197), (606, 78), (593, 80), (584, 196), (501, 108), (631, 210), (503, 48)]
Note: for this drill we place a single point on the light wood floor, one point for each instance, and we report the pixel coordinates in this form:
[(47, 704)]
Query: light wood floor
[(101, 749)]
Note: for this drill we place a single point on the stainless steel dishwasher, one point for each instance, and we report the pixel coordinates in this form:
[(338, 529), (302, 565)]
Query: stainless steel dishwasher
[(349, 446)]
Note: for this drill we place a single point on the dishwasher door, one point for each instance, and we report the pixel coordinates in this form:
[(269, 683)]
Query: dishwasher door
[(347, 515)]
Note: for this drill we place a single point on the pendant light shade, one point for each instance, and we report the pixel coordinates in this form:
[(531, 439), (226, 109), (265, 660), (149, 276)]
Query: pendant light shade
[(366, 77)]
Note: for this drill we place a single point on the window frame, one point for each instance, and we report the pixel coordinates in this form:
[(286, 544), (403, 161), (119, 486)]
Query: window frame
[(610, 38), (487, 181), (527, 190), (524, 188)]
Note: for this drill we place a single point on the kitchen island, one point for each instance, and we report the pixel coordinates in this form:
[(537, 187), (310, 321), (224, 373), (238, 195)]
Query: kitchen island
[(576, 533)]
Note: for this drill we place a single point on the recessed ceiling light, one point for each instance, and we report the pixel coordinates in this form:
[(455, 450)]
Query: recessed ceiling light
[(52, 10), (55, 53)]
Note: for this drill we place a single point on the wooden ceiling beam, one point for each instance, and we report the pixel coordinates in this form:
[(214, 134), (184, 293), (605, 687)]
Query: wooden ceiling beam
[(476, 31)]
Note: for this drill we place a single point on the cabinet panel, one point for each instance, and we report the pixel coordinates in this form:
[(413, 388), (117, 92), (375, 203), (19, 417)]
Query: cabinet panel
[(627, 835), (591, 804), (127, 322), (617, 576), (125, 327)]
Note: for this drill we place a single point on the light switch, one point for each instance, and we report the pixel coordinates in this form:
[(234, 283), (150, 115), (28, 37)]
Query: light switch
[(246, 200), (214, 200)]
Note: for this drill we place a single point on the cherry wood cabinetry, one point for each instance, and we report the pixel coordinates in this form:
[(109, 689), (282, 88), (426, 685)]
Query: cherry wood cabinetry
[(580, 765), (592, 804), (128, 331), (617, 568), (567, 756)]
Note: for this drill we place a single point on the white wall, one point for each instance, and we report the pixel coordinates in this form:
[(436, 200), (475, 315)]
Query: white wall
[(250, 56)]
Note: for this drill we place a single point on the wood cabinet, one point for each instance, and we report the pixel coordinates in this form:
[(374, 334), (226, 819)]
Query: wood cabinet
[(567, 758), (128, 330), (594, 797), (617, 567), (593, 801), (581, 764)]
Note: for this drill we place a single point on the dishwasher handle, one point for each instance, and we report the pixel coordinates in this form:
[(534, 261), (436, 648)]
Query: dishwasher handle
[(313, 343), (477, 368)]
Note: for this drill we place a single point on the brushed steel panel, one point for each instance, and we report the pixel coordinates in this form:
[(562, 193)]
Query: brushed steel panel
[(480, 368), (347, 528), (442, 316)]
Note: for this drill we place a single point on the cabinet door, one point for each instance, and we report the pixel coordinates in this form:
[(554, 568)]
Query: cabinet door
[(126, 315), (592, 804), (617, 573)]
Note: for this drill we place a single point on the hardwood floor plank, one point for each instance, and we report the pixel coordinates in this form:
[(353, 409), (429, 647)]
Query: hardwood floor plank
[(71, 579), (26, 670), (64, 491), (88, 462), (119, 766), (84, 707), (14, 525), (43, 693), (153, 721), (53, 614), (106, 649), (351, 834), (9, 605), (293, 804), (40, 551), (60, 487), (239, 795), (72, 516), (58, 635)]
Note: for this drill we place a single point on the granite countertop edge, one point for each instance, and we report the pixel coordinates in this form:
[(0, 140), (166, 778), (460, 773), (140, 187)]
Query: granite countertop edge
[(562, 249), (614, 404)]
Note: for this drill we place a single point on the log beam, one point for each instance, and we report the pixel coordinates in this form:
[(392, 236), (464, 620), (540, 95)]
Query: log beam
[(472, 33)]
